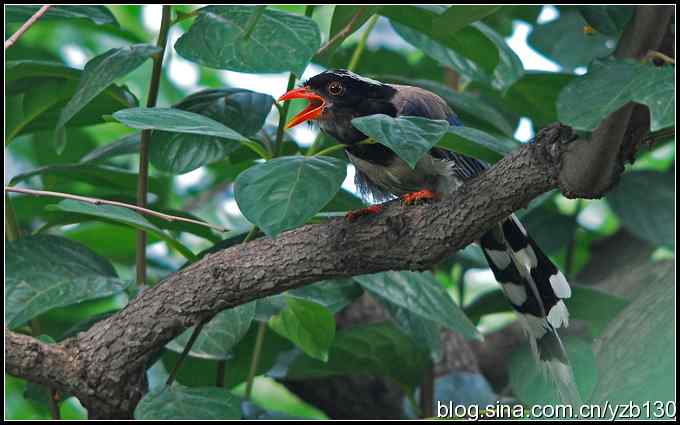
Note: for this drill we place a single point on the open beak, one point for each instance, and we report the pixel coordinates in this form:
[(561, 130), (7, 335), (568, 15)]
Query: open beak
[(313, 109)]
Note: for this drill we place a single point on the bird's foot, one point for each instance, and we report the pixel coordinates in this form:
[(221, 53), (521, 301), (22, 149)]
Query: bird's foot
[(353, 215), (421, 195)]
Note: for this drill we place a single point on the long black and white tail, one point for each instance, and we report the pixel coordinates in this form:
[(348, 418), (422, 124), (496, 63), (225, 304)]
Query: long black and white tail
[(536, 289)]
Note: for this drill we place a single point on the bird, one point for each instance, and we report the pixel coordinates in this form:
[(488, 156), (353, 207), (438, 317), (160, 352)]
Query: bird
[(534, 286)]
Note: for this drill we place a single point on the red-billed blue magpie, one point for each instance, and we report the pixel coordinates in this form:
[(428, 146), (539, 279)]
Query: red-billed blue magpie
[(532, 283)]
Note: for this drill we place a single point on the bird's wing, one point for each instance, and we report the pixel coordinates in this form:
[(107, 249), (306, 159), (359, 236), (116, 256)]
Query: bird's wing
[(414, 101)]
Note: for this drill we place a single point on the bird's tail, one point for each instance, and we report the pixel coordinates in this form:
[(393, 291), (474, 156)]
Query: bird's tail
[(536, 289)]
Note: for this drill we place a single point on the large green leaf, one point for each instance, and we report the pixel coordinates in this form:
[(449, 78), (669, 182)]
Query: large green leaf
[(242, 110), (98, 74), (126, 145), (645, 203), (286, 192), (38, 90), (609, 20), (309, 325), (422, 294), (564, 41), (178, 402), (122, 215), (477, 144), (533, 386), (100, 15), (609, 85), (535, 96), (635, 355), (219, 336), (44, 272), (424, 332), (473, 110), (279, 41), (96, 175), (376, 349), (176, 120), (408, 137), (441, 23)]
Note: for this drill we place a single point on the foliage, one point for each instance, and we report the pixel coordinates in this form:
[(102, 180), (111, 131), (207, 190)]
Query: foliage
[(219, 153)]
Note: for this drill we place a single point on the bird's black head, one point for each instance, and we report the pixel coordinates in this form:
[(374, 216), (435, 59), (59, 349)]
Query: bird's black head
[(337, 96)]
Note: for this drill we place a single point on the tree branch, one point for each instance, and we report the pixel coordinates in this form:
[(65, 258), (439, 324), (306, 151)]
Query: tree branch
[(98, 201), (110, 358), (32, 20)]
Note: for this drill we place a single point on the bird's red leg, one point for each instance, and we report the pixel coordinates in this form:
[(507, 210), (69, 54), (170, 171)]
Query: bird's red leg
[(373, 209), (412, 198)]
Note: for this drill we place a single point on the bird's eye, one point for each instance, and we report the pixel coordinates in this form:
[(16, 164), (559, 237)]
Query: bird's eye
[(335, 88)]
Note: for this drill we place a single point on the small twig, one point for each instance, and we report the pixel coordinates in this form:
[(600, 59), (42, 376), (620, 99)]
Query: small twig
[(342, 34), (14, 37), (660, 135), (97, 201), (653, 54), (262, 328), (185, 352), (362, 44), (283, 115)]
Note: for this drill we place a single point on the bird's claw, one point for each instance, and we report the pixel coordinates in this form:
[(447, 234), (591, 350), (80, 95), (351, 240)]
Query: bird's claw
[(353, 215), (421, 195)]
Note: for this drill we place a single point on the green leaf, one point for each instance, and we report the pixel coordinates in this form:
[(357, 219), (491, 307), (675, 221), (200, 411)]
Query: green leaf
[(535, 96), (180, 402), (564, 41), (100, 15), (121, 215), (96, 175), (377, 349), (448, 30), (408, 137), (242, 110), (278, 41), (44, 272), (477, 144), (98, 74), (421, 294), (219, 336), (170, 119), (532, 386), (609, 85), (645, 203), (424, 332), (473, 110), (332, 294), (285, 192), (609, 20), (126, 145), (38, 90), (309, 325), (635, 355)]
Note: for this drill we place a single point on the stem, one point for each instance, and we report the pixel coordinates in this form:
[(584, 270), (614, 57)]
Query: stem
[(569, 258), (342, 34), (97, 201), (221, 366), (362, 44), (185, 352), (12, 230), (283, 116), (51, 393), (337, 147), (427, 393), (142, 182), (309, 10), (252, 22), (262, 328), (659, 135), (32, 20)]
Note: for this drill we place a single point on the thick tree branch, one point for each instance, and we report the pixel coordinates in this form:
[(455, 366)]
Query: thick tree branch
[(110, 358), (594, 165)]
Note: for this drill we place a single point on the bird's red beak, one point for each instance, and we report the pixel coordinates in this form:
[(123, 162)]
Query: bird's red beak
[(313, 109)]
